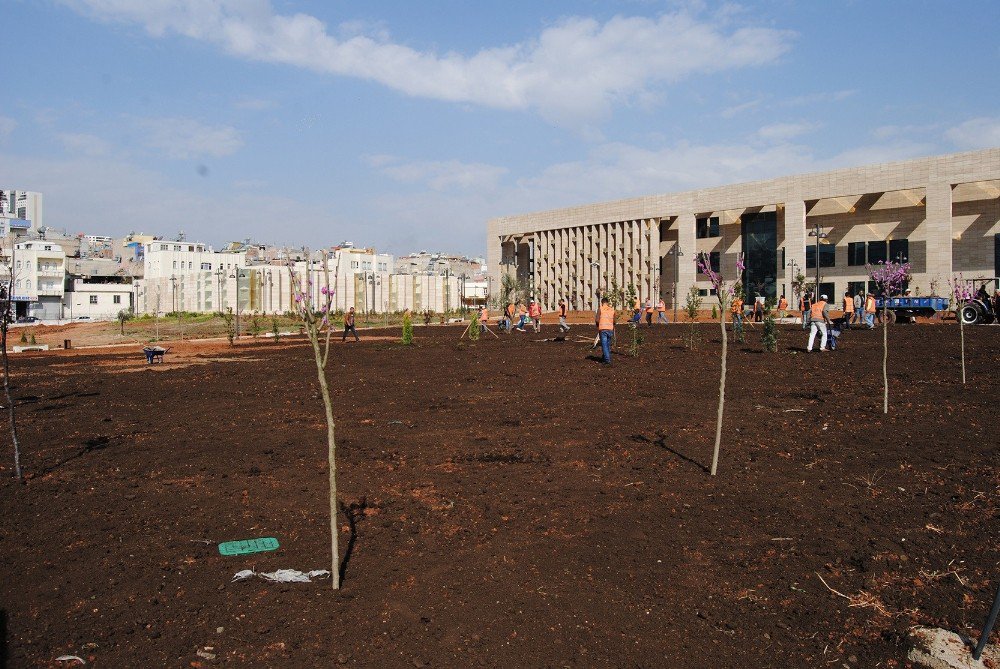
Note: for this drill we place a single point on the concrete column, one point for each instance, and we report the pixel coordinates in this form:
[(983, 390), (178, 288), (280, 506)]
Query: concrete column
[(938, 232), (686, 270), (795, 242)]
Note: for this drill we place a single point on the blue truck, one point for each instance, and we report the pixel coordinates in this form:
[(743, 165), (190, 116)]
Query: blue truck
[(977, 310)]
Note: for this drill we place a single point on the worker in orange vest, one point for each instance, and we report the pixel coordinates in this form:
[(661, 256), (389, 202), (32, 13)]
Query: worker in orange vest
[(737, 310), (510, 317), (649, 313), (848, 309), (661, 312), (782, 306), (484, 317), (563, 313), (535, 314), (522, 316), (819, 318), (606, 328), (870, 310)]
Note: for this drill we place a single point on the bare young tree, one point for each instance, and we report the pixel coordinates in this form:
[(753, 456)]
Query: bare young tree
[(6, 318), (315, 315)]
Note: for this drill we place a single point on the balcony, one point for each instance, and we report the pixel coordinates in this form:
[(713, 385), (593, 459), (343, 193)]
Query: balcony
[(54, 272), (50, 292)]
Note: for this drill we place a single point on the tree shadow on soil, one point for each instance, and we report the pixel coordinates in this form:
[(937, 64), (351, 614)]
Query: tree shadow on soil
[(354, 511), (95, 444), (661, 441)]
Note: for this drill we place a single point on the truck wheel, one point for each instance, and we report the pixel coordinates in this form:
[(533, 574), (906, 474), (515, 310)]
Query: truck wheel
[(969, 313), (888, 316)]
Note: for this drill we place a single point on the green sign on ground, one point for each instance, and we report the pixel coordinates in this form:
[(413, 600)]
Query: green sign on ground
[(245, 546)]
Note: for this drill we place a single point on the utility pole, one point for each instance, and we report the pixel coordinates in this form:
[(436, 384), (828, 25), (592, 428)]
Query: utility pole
[(676, 253), (818, 233)]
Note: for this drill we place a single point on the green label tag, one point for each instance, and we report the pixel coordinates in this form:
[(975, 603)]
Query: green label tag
[(248, 546)]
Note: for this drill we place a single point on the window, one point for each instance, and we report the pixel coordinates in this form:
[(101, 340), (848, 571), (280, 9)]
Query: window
[(206, 266), (714, 261), (175, 264), (707, 227), (856, 254), (827, 256), (177, 248), (354, 264), (93, 299), (899, 250), (830, 290), (117, 299), (877, 252), (48, 247), (856, 287)]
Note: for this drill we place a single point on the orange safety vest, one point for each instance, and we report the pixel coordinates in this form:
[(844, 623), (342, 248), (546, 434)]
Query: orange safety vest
[(737, 307), (562, 310), (522, 310), (661, 306), (534, 310), (649, 307), (783, 304), (484, 315), (870, 305), (816, 312), (848, 303), (606, 320), (349, 318), (510, 310)]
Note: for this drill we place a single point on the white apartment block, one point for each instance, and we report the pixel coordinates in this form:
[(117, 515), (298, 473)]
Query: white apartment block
[(270, 289), (39, 275), (164, 258), (941, 214)]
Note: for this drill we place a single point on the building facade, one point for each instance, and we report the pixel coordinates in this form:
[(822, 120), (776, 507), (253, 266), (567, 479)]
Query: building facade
[(20, 212), (39, 270), (941, 214)]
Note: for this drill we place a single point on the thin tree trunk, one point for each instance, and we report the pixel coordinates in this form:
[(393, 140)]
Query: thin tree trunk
[(961, 330), (722, 398), (331, 454), (885, 361), (10, 404)]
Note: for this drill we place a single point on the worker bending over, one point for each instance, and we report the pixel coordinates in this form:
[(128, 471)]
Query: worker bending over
[(819, 318)]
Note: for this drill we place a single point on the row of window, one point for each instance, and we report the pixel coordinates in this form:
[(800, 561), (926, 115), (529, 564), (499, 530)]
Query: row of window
[(205, 266), (860, 253), (115, 299)]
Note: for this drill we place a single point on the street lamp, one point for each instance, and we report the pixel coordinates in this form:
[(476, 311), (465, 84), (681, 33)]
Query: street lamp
[(173, 293), (236, 275), (792, 265), (219, 273), (818, 233), (676, 252), (594, 265), (372, 281)]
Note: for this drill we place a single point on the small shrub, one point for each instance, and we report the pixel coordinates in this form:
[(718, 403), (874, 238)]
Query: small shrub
[(230, 325), (715, 313), (474, 327), (274, 328), (31, 340), (408, 330), (770, 336), (255, 327), (24, 337), (691, 307), (635, 341)]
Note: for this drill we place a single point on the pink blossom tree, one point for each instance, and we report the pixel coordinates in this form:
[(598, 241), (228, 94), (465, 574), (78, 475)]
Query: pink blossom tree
[(961, 292), (725, 291), (313, 308), (889, 278)]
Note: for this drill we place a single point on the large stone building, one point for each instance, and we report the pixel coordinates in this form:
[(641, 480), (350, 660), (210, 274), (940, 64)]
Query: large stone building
[(941, 214)]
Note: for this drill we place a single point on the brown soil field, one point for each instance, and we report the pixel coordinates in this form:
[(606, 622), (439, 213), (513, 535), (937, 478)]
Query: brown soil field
[(508, 503)]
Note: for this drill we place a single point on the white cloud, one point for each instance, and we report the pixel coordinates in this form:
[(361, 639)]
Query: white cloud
[(786, 131), (977, 133), (89, 145), (574, 71), (7, 126), (441, 175), (184, 138)]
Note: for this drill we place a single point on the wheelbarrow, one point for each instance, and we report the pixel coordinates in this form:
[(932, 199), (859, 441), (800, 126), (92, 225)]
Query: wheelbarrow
[(154, 354)]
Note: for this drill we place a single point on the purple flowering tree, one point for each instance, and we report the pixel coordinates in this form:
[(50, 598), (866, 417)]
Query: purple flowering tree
[(725, 293), (313, 308), (889, 278), (961, 292)]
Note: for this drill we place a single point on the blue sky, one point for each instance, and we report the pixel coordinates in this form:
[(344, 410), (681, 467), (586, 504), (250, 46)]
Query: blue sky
[(408, 125)]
